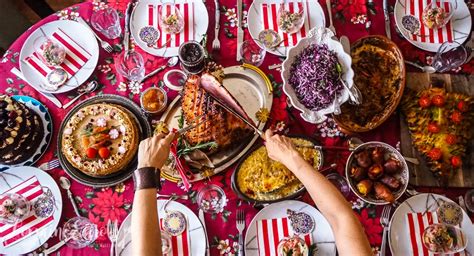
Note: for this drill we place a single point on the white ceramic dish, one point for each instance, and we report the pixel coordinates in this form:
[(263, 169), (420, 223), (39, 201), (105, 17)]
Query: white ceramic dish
[(322, 233), (80, 34), (196, 231), (318, 36), (15, 176), (139, 19), (398, 236), (314, 12), (461, 22)]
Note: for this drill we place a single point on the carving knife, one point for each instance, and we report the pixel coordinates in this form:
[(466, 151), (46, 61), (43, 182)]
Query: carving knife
[(240, 31), (387, 19)]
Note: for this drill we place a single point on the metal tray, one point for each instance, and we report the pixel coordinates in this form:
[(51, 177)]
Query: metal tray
[(109, 180), (249, 88)]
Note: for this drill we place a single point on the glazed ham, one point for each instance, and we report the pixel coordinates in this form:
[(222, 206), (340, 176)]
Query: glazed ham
[(220, 126)]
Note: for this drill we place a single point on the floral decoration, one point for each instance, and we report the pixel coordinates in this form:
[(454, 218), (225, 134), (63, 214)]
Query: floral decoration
[(68, 14), (354, 10), (371, 223)]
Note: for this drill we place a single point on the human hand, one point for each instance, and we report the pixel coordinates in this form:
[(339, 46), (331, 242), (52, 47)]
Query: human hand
[(154, 151), (280, 148)]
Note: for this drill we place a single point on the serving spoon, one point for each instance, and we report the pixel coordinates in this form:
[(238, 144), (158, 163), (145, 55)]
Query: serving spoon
[(66, 184), (91, 86), (171, 63), (426, 69)]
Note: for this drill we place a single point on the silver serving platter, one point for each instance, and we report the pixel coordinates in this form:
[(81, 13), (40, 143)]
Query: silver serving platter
[(250, 90)]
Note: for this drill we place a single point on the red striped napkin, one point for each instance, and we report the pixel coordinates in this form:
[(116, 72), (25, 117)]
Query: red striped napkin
[(417, 223), (271, 231), (11, 234), (76, 56), (270, 20), (427, 35), (180, 245), (173, 40)]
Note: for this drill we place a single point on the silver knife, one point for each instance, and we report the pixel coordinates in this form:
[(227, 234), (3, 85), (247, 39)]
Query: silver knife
[(126, 33), (203, 222), (240, 31), (47, 95), (387, 19)]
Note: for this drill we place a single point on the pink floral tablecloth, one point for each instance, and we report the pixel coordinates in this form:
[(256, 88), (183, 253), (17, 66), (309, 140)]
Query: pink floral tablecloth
[(354, 18)]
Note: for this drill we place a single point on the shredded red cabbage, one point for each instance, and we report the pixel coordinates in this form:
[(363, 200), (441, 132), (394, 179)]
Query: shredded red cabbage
[(315, 77)]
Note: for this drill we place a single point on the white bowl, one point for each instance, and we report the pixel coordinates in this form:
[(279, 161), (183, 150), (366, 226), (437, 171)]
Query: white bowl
[(319, 36)]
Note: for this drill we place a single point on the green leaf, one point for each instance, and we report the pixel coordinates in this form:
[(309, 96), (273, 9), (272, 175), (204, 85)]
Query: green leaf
[(113, 81), (161, 83), (213, 216), (21, 86), (118, 47), (91, 206), (96, 246), (9, 80), (110, 76), (78, 199), (109, 60), (127, 206), (130, 95), (83, 211), (89, 194), (13, 60)]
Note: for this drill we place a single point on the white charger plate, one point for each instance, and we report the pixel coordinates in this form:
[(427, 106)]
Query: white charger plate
[(255, 26), (322, 233), (80, 34), (139, 19), (15, 176), (461, 22), (399, 239), (196, 232)]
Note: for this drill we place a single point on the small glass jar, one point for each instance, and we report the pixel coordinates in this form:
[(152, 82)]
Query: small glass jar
[(79, 232), (153, 100), (13, 208), (107, 22), (43, 206), (49, 52), (444, 239), (211, 199), (192, 57), (170, 19)]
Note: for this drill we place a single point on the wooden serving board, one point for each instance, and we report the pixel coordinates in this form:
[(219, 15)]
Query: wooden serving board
[(420, 175)]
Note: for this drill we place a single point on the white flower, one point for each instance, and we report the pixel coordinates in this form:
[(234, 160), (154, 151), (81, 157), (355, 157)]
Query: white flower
[(73, 15), (113, 133), (231, 17), (358, 204), (63, 14), (101, 122), (122, 129), (68, 131), (122, 150), (135, 87), (122, 87)]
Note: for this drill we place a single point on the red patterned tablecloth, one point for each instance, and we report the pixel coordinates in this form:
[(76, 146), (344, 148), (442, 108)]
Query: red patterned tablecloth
[(354, 18)]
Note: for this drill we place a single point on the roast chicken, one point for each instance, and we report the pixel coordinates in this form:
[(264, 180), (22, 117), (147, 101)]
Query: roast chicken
[(220, 125)]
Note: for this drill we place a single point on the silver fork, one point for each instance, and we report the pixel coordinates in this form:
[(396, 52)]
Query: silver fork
[(106, 46), (240, 228), (384, 220), (53, 164), (216, 44), (112, 233)]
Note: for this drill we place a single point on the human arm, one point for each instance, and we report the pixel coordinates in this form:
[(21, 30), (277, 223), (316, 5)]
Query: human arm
[(349, 234), (146, 240)]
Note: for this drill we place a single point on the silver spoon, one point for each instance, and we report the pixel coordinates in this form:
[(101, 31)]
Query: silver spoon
[(426, 69), (66, 184), (171, 63), (91, 86)]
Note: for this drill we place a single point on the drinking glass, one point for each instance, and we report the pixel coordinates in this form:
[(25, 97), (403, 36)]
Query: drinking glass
[(13, 208), (192, 57), (211, 199), (49, 52), (252, 53), (170, 19), (130, 64), (79, 232), (107, 22), (290, 21), (450, 55), (444, 239)]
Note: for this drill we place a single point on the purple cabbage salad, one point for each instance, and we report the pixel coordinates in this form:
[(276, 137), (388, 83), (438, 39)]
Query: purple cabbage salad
[(314, 75)]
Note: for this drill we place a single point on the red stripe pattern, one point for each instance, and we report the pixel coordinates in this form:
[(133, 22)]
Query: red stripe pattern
[(271, 231), (417, 223), (427, 35), (173, 40), (12, 234), (270, 20), (76, 56), (180, 245)]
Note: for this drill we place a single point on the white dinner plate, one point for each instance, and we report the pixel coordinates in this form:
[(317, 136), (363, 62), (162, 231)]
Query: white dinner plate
[(14, 176), (196, 232), (322, 233), (399, 239), (461, 22), (139, 19), (255, 25), (80, 34)]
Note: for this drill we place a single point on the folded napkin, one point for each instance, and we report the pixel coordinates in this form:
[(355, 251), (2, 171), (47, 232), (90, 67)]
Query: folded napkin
[(11, 234), (180, 245), (417, 223), (427, 35), (270, 20), (271, 231), (76, 56), (173, 40)]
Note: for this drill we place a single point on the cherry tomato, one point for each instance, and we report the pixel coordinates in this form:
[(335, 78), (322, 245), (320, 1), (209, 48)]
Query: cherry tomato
[(104, 152), (424, 102), (438, 100), (456, 161), (450, 139), (91, 152), (435, 154), (456, 117), (433, 127), (462, 106)]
